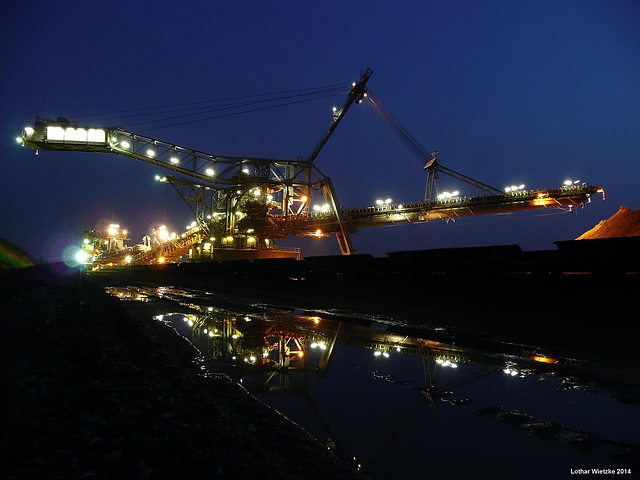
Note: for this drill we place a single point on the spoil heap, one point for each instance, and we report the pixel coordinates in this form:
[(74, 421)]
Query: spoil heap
[(625, 223), (14, 257)]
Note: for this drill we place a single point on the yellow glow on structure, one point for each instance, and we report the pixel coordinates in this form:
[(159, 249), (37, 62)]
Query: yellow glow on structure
[(229, 239), (161, 260), (543, 201), (251, 239), (543, 359), (318, 233)]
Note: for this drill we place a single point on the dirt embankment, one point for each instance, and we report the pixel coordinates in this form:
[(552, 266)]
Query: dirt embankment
[(625, 223), (12, 256), (89, 391)]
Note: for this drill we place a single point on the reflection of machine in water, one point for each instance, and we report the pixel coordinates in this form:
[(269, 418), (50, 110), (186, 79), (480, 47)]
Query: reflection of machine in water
[(130, 293), (277, 350), (288, 351)]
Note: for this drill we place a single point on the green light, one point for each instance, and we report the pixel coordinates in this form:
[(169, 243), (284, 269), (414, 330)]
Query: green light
[(19, 140)]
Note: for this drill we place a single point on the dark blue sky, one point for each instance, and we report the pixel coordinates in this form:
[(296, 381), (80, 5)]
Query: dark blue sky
[(508, 92)]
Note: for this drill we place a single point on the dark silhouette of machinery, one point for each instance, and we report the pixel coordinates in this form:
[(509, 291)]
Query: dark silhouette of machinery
[(244, 205)]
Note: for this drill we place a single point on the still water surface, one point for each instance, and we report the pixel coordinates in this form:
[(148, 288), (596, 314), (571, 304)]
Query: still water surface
[(409, 402)]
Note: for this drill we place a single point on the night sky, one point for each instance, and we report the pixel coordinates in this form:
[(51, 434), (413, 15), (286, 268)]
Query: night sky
[(509, 92)]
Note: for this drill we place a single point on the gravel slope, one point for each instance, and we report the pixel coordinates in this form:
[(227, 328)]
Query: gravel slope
[(90, 391)]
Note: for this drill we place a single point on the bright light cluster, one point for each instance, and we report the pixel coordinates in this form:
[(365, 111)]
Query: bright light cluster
[(447, 195), (113, 229), (163, 233), (82, 257), (92, 135), (446, 363), (514, 188)]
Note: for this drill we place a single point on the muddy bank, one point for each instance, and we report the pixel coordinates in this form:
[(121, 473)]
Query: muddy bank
[(90, 391)]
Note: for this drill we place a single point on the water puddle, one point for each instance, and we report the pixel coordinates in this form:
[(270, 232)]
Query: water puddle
[(406, 402)]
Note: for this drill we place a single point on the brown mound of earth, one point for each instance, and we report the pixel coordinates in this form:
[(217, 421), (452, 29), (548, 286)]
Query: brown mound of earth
[(625, 223)]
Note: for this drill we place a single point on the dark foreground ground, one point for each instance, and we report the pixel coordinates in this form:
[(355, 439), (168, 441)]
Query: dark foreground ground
[(90, 390)]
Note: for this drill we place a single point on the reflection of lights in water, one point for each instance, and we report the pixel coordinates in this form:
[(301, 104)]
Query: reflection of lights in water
[(446, 363)]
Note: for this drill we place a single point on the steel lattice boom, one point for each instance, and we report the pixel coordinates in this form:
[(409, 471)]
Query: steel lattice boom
[(247, 203)]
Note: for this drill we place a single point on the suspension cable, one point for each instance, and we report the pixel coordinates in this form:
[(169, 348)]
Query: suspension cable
[(339, 85), (419, 150), (208, 106), (245, 104), (398, 128), (241, 112)]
